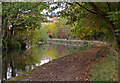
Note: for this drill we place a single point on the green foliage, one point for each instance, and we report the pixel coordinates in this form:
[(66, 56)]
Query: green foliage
[(19, 45), (38, 35), (5, 42), (52, 28), (20, 21), (22, 43), (10, 43), (34, 36), (43, 35), (58, 27), (85, 42), (13, 44), (115, 17), (90, 21)]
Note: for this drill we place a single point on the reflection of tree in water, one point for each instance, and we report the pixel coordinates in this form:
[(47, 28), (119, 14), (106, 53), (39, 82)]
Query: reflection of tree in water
[(66, 49), (45, 60), (61, 49), (15, 61), (74, 47), (18, 61), (49, 48)]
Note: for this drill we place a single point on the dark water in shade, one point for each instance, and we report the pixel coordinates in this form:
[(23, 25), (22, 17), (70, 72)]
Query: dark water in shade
[(15, 62)]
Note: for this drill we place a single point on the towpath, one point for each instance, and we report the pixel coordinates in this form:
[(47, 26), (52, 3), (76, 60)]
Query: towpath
[(74, 67)]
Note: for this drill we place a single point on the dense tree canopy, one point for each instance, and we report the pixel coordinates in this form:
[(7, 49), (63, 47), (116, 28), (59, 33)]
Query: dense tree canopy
[(20, 20), (93, 19), (89, 20), (22, 15)]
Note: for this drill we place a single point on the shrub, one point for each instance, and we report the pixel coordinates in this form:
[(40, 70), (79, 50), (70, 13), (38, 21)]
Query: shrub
[(19, 45), (22, 43), (11, 43), (5, 43), (85, 42)]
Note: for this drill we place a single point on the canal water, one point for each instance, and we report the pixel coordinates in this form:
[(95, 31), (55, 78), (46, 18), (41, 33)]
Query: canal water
[(15, 62)]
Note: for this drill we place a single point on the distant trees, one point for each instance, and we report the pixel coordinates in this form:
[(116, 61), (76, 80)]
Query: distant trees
[(59, 29)]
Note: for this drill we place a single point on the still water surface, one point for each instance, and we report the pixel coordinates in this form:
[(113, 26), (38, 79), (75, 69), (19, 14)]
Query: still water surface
[(16, 62)]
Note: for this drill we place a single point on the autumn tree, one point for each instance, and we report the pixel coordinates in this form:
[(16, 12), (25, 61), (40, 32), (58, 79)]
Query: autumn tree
[(59, 28), (100, 18)]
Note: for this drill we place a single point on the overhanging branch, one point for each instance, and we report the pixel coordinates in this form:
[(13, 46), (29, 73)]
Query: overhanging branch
[(86, 8), (36, 5), (96, 9)]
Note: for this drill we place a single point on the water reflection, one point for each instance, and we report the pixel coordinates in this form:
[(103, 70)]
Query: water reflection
[(16, 62), (45, 60)]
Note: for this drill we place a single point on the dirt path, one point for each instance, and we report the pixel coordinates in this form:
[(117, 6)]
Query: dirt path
[(75, 67)]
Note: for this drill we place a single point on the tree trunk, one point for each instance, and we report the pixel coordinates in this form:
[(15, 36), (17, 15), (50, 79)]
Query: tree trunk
[(12, 30), (5, 70), (112, 27), (13, 69), (117, 42), (6, 28)]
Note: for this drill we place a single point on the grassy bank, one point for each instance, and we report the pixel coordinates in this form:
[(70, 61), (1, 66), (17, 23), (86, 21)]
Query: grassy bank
[(106, 66)]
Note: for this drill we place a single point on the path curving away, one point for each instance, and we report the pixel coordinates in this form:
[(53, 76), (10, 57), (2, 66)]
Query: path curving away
[(74, 67)]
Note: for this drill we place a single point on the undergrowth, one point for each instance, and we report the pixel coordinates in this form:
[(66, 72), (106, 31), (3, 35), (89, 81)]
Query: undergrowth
[(106, 66)]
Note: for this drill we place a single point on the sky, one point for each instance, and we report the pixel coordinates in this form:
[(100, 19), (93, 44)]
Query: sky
[(56, 10)]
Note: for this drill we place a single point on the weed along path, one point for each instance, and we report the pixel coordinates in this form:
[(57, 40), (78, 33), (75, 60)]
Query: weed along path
[(74, 67)]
